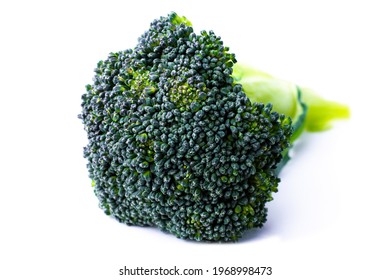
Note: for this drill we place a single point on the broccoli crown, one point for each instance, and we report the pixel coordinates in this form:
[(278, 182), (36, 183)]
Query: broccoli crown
[(175, 143)]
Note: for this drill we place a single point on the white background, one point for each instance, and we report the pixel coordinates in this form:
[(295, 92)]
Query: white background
[(329, 219)]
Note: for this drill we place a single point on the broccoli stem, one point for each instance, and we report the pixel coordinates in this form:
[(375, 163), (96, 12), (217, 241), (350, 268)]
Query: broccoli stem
[(322, 112), (308, 111), (289, 99)]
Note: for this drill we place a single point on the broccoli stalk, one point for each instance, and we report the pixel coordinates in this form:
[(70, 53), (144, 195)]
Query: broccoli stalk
[(308, 110), (283, 95)]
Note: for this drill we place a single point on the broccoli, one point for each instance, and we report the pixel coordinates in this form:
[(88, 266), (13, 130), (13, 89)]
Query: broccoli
[(183, 138)]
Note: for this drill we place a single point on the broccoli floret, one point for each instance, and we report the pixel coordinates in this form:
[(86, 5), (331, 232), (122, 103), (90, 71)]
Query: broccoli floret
[(175, 141)]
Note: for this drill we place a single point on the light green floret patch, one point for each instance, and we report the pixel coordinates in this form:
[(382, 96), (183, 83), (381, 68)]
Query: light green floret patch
[(138, 82), (186, 97), (176, 19)]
